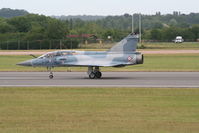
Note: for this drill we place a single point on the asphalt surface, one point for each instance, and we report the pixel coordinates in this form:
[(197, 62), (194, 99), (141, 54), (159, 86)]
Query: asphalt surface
[(109, 79)]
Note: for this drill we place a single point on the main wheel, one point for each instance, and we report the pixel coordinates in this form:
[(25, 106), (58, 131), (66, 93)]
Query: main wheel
[(98, 74), (51, 76), (92, 75)]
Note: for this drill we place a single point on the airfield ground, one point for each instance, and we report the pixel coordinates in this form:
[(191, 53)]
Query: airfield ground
[(109, 79), (153, 62), (149, 45), (104, 110), (99, 110)]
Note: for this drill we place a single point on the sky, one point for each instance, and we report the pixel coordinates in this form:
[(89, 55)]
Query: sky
[(101, 7)]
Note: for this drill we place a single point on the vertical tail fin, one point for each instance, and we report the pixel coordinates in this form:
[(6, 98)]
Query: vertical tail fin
[(128, 44)]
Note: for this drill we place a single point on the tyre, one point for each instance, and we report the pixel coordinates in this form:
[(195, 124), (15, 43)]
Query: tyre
[(98, 74), (92, 75), (50, 76)]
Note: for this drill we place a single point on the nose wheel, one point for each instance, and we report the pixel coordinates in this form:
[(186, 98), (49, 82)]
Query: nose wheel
[(51, 73), (51, 76)]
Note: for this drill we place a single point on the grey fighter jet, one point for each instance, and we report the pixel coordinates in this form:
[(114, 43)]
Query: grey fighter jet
[(122, 54)]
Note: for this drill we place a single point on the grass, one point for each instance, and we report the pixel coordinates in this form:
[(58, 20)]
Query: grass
[(99, 110), (171, 62), (185, 45), (149, 45)]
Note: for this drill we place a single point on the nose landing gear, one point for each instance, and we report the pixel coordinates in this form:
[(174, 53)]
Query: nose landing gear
[(51, 76), (51, 73)]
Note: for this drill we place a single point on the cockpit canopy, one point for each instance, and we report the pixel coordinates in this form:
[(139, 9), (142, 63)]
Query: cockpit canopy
[(57, 53)]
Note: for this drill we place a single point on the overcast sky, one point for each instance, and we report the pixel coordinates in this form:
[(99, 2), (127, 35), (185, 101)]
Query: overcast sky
[(101, 7)]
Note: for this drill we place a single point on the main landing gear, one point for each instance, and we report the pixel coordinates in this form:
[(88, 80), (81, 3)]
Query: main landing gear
[(94, 73), (51, 73)]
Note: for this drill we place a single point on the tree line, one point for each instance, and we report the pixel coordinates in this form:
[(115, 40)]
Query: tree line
[(9, 13), (33, 27)]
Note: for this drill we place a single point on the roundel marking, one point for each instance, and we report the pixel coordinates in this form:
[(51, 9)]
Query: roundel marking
[(129, 58)]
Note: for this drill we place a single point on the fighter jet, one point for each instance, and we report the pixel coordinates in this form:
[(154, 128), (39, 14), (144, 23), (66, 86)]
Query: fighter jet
[(122, 54)]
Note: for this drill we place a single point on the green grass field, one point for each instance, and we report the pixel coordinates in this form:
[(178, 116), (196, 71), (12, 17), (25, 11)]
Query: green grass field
[(99, 110), (172, 62), (159, 45), (149, 45)]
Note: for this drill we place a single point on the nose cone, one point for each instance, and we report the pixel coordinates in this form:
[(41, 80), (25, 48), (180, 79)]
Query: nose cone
[(25, 63)]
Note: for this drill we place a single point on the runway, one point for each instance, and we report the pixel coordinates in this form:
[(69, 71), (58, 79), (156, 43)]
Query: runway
[(109, 79)]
